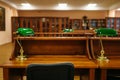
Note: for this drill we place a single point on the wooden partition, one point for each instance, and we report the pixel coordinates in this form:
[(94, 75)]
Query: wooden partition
[(53, 46), (110, 45)]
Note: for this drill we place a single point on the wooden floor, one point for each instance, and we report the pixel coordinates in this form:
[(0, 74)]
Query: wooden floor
[(5, 52)]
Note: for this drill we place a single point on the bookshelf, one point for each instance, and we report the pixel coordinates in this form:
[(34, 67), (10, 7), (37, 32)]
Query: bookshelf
[(117, 23), (113, 22), (97, 23), (76, 24), (110, 22), (41, 24)]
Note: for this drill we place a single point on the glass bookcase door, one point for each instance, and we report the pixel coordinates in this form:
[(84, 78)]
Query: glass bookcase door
[(110, 22), (75, 24), (94, 23), (117, 23)]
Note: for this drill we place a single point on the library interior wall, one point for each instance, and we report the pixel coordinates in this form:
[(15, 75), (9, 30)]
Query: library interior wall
[(111, 13), (117, 14), (5, 36), (77, 14)]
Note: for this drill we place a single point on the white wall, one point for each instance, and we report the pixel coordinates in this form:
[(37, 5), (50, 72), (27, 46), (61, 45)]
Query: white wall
[(5, 36), (111, 13)]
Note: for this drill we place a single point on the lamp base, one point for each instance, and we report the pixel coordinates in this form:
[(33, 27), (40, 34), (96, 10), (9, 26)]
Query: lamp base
[(103, 58), (21, 58)]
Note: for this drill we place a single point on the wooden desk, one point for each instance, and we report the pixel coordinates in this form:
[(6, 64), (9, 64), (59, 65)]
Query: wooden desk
[(46, 50), (13, 70), (111, 47)]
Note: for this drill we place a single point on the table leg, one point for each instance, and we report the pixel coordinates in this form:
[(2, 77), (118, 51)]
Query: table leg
[(5, 74), (103, 74), (12, 74), (92, 74)]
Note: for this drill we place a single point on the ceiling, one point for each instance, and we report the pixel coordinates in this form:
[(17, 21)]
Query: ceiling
[(72, 4)]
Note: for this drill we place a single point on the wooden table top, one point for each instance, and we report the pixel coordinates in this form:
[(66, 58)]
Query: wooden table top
[(78, 61), (111, 64)]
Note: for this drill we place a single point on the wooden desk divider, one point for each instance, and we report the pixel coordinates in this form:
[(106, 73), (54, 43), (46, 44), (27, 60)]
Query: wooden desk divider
[(110, 44), (53, 46)]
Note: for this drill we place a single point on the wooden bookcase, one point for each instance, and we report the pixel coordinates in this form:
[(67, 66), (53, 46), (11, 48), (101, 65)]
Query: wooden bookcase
[(117, 23), (113, 22), (41, 24), (56, 24), (76, 24), (101, 23), (97, 23), (110, 22)]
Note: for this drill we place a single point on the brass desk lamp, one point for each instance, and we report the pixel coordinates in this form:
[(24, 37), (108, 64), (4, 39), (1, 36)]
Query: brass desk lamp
[(23, 32), (104, 32), (102, 52)]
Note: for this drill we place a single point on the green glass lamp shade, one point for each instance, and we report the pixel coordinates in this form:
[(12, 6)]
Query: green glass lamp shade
[(25, 31), (68, 30), (106, 32)]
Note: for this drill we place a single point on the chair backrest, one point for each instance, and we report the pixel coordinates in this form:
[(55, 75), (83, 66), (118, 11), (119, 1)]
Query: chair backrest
[(58, 71)]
